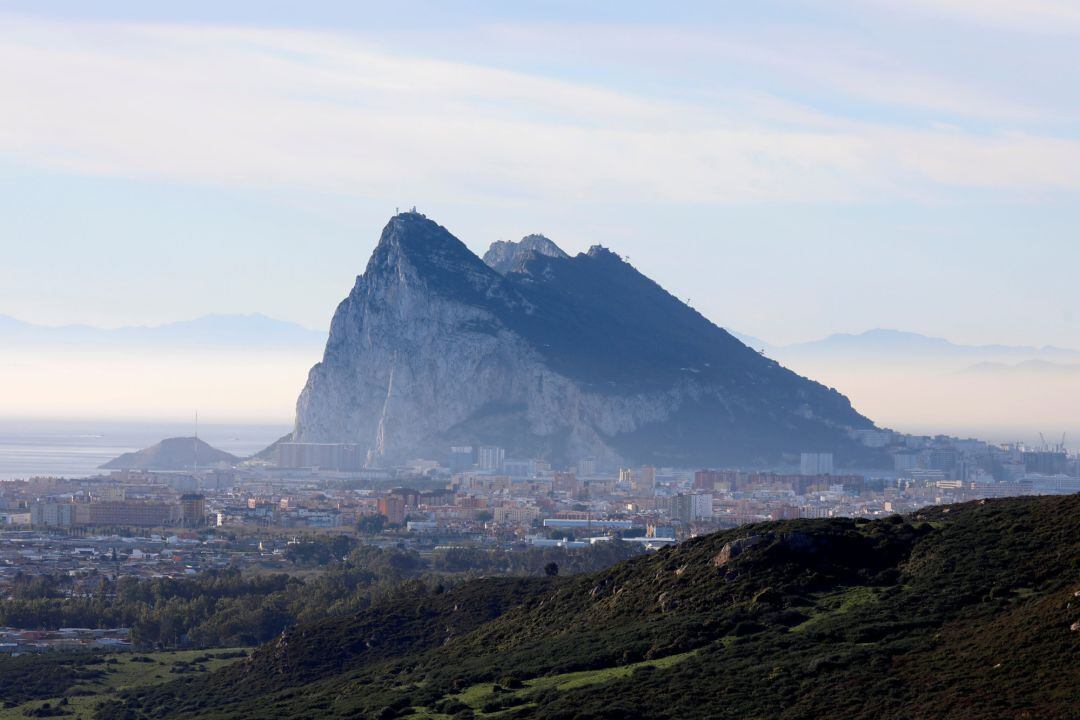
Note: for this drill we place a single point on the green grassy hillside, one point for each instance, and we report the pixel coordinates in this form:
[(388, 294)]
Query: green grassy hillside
[(72, 685), (956, 612)]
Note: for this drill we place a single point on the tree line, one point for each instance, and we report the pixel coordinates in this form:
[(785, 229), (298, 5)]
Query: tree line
[(226, 608)]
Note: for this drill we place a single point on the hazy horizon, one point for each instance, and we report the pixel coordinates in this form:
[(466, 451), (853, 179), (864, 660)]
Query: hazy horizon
[(149, 378)]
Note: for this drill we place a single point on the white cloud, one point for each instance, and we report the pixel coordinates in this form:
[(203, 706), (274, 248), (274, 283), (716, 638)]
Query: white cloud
[(1012, 160), (1054, 17), (276, 108), (812, 59)]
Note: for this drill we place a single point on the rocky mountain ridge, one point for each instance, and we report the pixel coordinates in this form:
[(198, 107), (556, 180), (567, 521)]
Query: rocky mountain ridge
[(506, 256), (562, 357)]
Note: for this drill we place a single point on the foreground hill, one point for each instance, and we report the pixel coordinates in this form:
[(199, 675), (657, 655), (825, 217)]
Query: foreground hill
[(969, 611), (180, 453), (549, 356)]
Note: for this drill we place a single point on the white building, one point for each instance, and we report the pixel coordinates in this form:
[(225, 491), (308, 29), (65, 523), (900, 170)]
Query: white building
[(701, 506), (586, 467), (516, 514), (490, 458)]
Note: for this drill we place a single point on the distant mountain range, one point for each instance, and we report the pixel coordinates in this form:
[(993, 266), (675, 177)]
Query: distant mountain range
[(881, 342), (260, 331), (251, 366), (209, 331), (1043, 367), (924, 384), (915, 355)]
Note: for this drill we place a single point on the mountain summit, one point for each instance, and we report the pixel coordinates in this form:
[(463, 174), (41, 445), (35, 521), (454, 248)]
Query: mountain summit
[(548, 355), (506, 257)]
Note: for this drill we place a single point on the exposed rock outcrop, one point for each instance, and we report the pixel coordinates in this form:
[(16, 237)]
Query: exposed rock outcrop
[(507, 257), (735, 548)]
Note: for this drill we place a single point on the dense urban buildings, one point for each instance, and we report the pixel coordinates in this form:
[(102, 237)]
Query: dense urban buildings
[(481, 496)]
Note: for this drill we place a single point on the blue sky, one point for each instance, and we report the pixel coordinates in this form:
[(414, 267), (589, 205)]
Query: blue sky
[(793, 169)]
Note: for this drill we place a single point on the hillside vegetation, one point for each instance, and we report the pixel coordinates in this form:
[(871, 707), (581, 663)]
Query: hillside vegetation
[(954, 612), (71, 685), (331, 576)]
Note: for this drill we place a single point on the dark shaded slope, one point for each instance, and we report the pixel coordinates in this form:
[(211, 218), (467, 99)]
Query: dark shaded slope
[(599, 321), (748, 432), (596, 319), (403, 626)]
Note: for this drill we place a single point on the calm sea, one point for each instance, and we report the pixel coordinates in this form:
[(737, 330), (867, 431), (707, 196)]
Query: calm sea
[(73, 448)]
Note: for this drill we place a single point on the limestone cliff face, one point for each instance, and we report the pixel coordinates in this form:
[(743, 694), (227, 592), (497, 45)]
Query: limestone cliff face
[(434, 348)]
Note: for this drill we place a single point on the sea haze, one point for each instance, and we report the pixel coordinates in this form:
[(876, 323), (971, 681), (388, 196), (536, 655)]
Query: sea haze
[(75, 448)]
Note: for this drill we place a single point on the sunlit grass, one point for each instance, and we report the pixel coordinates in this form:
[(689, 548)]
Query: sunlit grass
[(126, 673)]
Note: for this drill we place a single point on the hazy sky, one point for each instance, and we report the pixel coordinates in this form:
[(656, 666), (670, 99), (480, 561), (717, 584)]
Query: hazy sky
[(793, 168)]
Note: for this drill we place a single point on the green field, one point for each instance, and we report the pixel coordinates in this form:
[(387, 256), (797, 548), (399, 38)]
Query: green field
[(122, 671), (833, 604), (480, 696)]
